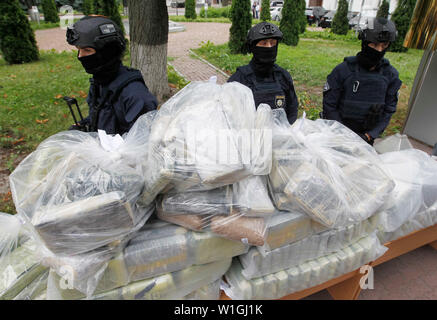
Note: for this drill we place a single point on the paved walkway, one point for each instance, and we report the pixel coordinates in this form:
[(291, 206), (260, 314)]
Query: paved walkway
[(411, 276), (179, 44)]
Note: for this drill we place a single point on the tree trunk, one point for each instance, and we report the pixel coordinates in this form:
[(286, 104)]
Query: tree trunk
[(148, 30)]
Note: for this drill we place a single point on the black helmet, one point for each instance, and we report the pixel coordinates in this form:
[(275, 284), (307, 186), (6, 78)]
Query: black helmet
[(95, 32), (263, 30), (378, 30)]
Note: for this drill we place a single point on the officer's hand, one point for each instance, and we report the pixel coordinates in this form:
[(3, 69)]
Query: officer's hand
[(78, 127)]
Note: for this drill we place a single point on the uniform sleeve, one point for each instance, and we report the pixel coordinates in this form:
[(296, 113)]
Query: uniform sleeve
[(331, 95), (292, 102), (391, 101), (136, 100), (237, 77)]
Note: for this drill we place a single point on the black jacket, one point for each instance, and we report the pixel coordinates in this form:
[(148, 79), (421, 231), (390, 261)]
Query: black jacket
[(351, 90)]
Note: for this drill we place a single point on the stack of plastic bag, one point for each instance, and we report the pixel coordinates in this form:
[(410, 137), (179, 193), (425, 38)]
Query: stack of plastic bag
[(76, 197), (156, 252), (207, 136), (302, 276), (413, 203), (217, 147), (325, 170)]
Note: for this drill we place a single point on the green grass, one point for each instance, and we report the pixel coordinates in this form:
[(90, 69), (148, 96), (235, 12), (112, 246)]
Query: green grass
[(311, 61), (31, 105)]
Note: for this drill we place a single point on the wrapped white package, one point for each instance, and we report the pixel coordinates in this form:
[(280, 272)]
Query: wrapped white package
[(35, 288), (76, 194), (209, 292), (255, 264), (287, 227), (392, 143), (236, 212), (19, 264), (156, 249), (173, 285), (419, 221), (324, 169), (415, 175), (208, 136), (303, 276)]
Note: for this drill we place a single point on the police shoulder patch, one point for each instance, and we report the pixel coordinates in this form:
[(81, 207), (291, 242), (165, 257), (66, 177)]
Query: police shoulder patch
[(326, 87)]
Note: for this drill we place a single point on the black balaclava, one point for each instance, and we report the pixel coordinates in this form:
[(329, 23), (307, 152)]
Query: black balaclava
[(103, 65), (369, 57), (263, 59)]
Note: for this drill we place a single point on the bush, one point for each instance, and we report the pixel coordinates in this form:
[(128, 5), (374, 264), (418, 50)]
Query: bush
[(402, 18), (383, 9), (340, 23), (241, 18), (265, 10), (87, 7), (17, 40), (290, 24), (50, 11), (190, 9), (215, 12)]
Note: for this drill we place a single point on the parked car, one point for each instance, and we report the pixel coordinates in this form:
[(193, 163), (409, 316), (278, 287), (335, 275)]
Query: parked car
[(310, 16), (276, 3), (317, 13), (326, 21), (275, 13), (359, 22), (177, 3)]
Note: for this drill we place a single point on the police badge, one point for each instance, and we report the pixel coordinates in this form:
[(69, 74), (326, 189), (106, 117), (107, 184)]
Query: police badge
[(279, 101)]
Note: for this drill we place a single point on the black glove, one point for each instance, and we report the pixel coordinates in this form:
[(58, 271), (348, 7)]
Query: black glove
[(365, 138), (79, 127)]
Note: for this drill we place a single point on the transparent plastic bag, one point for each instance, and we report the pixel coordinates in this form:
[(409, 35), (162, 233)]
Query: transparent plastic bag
[(77, 196), (167, 286), (208, 292), (287, 227), (302, 276), (208, 136), (392, 143), (236, 212), (415, 175), (324, 169), (156, 249), (19, 262), (318, 245)]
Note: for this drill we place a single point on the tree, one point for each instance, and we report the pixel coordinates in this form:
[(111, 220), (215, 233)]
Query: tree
[(241, 18), (402, 18), (50, 11), (265, 10), (87, 7), (302, 16), (340, 23), (148, 24), (109, 8), (190, 9), (383, 9), (290, 24), (17, 40)]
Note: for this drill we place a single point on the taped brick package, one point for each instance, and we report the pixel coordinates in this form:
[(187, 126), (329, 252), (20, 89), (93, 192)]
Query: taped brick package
[(302, 276)]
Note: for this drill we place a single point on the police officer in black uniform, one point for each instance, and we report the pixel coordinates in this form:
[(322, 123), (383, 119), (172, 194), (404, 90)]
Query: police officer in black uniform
[(362, 92), (117, 94), (269, 83)]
